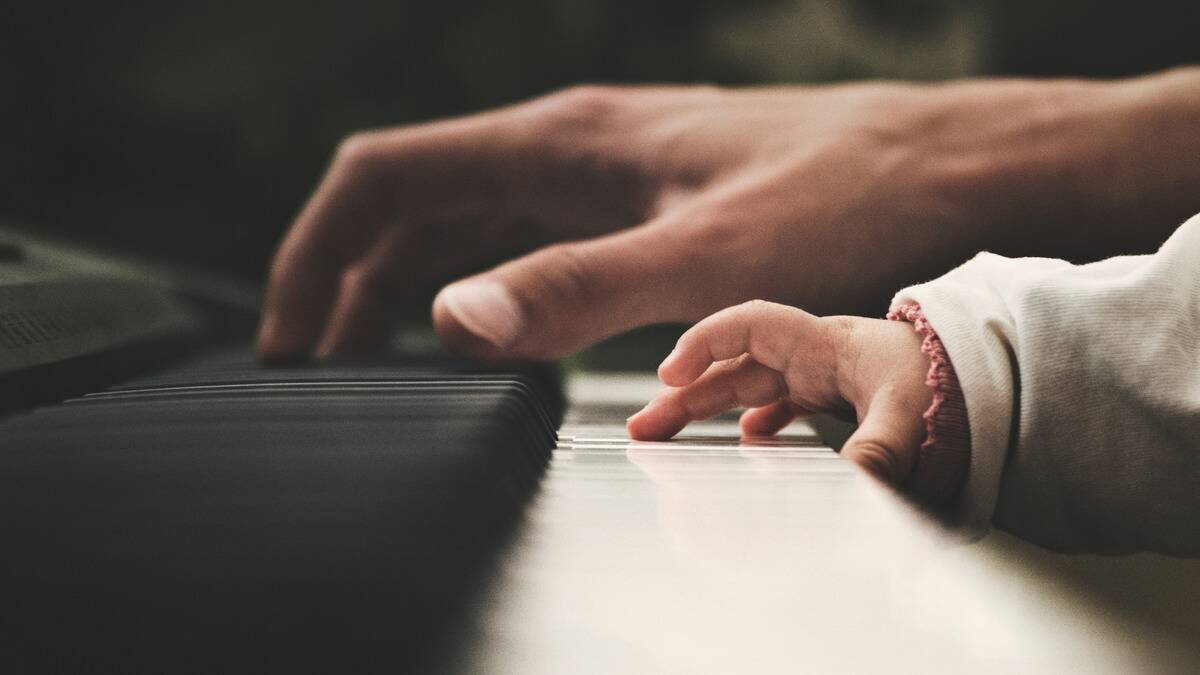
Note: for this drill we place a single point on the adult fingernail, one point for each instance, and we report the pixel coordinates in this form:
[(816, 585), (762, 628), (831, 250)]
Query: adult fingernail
[(486, 309)]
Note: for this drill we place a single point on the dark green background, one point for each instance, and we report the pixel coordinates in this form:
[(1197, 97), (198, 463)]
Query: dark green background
[(194, 130)]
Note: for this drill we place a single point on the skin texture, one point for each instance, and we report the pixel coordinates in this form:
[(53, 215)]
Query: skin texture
[(635, 205), (781, 362)]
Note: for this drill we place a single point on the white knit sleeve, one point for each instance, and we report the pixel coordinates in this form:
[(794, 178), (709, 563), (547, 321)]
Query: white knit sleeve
[(1082, 389)]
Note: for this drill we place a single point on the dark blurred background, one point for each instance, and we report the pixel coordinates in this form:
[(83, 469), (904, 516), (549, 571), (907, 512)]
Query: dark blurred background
[(194, 130)]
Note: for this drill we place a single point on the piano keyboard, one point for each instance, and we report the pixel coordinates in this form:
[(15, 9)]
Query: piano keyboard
[(409, 516), (715, 554), (223, 517)]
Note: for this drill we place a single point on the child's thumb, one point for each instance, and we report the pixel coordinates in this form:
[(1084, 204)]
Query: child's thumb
[(888, 438)]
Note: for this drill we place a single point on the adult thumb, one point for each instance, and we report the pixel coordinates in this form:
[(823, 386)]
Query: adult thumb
[(564, 297)]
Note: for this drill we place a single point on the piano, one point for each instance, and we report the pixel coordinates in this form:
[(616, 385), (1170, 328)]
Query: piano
[(169, 505)]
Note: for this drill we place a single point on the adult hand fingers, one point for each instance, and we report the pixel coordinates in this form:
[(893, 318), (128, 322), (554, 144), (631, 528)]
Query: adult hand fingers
[(495, 167), (334, 227), (369, 295), (563, 297), (378, 183)]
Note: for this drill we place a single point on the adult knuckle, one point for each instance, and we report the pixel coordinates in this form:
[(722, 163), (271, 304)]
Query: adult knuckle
[(757, 305), (590, 98), (358, 152), (583, 107), (352, 148), (710, 237), (717, 229), (551, 287), (360, 172), (566, 274)]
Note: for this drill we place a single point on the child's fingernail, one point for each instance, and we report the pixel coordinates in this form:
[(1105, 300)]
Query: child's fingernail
[(670, 357), (641, 412)]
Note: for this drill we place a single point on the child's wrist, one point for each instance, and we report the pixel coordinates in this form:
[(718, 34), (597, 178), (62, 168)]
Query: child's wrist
[(944, 457)]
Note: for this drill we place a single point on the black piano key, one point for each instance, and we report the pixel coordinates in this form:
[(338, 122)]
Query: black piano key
[(227, 517)]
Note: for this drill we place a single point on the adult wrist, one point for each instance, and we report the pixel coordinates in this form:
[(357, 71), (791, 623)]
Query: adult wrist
[(1065, 168)]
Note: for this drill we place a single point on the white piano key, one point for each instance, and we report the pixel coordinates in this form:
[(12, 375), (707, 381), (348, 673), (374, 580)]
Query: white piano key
[(710, 555)]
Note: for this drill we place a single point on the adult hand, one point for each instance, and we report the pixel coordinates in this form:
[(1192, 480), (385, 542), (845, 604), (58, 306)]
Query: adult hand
[(664, 204)]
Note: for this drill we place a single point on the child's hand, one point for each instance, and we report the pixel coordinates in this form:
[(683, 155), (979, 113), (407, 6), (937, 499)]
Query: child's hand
[(782, 363)]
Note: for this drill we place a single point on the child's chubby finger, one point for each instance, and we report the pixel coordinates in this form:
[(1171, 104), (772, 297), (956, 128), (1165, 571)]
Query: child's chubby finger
[(741, 382), (769, 332), (771, 418), (886, 441)]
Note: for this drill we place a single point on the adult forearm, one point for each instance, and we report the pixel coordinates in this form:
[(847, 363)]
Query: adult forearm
[(1155, 178), (665, 204), (1074, 168)]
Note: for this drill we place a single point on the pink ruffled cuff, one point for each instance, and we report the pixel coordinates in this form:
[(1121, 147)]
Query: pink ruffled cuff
[(941, 468)]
